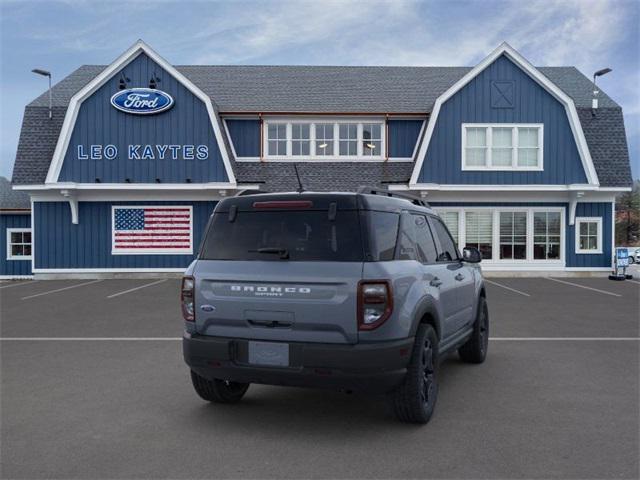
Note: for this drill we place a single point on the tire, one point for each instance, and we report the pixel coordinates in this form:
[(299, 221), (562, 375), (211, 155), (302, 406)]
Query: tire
[(218, 391), (415, 400), (475, 349), (632, 260)]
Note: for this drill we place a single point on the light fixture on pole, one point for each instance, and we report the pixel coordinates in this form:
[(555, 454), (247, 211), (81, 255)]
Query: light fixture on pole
[(45, 73), (594, 101)]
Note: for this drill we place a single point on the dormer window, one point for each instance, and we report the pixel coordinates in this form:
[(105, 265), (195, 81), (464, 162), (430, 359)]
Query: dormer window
[(324, 139), (502, 146)]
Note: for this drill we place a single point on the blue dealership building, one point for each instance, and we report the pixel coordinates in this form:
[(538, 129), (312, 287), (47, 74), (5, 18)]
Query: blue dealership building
[(124, 171)]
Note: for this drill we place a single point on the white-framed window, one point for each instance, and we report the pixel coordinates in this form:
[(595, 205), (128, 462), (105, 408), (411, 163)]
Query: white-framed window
[(18, 244), (509, 234), (502, 146), (324, 139), (479, 231), (152, 229), (547, 230), (300, 139), (372, 139), (277, 139), (513, 235), (588, 234)]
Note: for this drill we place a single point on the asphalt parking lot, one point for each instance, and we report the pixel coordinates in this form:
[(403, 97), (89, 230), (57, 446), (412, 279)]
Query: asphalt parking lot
[(94, 386)]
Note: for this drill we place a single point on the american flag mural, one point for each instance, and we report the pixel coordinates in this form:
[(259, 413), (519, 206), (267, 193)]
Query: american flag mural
[(152, 229)]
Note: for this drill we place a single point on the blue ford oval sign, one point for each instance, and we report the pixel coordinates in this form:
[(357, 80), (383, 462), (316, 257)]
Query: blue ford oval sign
[(142, 101)]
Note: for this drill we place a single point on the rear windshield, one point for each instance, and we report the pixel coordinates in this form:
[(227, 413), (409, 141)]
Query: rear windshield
[(284, 235)]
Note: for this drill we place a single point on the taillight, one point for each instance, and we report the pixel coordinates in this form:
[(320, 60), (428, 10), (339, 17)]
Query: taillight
[(375, 303), (186, 298)]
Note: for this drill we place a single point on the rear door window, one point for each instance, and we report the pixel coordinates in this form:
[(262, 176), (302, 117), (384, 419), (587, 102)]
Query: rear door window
[(407, 248), (284, 235), (447, 251)]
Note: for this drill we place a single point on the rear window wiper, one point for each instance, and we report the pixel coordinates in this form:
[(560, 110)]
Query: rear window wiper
[(283, 252)]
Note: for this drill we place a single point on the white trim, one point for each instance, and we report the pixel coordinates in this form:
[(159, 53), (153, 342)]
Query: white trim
[(16, 277), (599, 239), (514, 167), (155, 251), (495, 187), (74, 107), (109, 270), (535, 74), (137, 186), (33, 237), (11, 230)]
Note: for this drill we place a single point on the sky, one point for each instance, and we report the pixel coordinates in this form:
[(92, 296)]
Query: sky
[(60, 36)]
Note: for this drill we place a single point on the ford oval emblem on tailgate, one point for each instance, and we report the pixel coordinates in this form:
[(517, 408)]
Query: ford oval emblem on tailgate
[(142, 101), (207, 308)]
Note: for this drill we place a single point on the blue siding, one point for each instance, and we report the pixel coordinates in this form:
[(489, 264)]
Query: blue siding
[(13, 267), (403, 135), (245, 135), (60, 244), (582, 210), (602, 210), (477, 103), (187, 123)]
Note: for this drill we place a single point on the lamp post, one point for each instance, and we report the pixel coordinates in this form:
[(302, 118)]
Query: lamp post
[(45, 73), (594, 102)]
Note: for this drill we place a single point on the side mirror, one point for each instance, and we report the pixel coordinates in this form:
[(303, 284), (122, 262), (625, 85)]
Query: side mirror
[(471, 255)]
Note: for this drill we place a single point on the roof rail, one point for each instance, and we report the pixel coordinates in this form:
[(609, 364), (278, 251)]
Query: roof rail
[(389, 193), (247, 191)]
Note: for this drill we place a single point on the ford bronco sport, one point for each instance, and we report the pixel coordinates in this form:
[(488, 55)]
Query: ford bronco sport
[(355, 291)]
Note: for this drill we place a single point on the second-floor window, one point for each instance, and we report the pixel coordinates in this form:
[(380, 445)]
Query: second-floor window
[(502, 146), (323, 139)]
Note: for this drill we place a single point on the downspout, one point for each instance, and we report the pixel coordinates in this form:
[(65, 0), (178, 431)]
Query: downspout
[(386, 137)]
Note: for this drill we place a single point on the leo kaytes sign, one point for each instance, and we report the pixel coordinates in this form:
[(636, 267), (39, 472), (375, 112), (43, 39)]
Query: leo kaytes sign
[(142, 101)]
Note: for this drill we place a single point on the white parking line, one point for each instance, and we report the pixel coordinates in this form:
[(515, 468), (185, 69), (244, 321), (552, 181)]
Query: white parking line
[(632, 281), (174, 339), (565, 339), (137, 288), (29, 282), (507, 288), (60, 289), (584, 286), (89, 339)]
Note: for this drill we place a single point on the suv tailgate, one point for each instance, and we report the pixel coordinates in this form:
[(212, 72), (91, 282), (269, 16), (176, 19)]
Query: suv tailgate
[(283, 301)]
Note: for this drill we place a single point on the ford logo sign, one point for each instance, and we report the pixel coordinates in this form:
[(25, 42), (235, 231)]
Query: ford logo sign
[(142, 101)]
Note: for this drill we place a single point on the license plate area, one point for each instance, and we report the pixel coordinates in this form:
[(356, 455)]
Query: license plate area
[(269, 354)]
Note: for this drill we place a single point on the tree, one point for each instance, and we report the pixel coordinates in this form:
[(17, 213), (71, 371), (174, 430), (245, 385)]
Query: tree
[(628, 217)]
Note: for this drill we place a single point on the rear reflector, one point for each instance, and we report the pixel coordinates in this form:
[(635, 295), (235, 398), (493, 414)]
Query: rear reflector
[(284, 204)]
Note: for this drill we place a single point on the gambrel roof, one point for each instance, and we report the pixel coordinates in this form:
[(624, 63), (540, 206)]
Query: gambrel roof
[(331, 89)]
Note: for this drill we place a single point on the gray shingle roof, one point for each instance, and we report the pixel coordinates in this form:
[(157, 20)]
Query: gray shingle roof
[(327, 89), (12, 199)]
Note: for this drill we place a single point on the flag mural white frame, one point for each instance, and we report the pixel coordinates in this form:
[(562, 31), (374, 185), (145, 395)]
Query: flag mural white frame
[(148, 251)]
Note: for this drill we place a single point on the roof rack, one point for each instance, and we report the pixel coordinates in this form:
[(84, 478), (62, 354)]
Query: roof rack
[(388, 193), (247, 191)]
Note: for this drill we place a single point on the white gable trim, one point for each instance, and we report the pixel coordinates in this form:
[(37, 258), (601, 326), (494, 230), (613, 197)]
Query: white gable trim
[(123, 60), (535, 74)]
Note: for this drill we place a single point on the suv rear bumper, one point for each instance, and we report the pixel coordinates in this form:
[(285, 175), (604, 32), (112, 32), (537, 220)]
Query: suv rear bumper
[(371, 367)]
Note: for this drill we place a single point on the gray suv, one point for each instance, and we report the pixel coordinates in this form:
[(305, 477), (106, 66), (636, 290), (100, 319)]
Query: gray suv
[(354, 291)]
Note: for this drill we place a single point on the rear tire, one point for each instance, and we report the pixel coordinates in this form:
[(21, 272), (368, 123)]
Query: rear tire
[(218, 391), (475, 349), (415, 400)]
